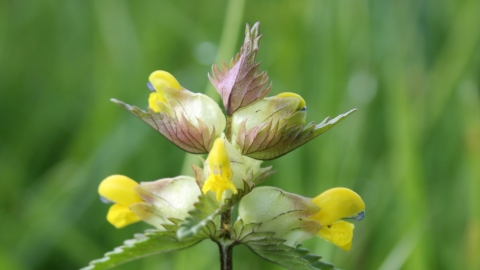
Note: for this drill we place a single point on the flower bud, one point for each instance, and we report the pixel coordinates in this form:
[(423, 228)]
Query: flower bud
[(287, 109)]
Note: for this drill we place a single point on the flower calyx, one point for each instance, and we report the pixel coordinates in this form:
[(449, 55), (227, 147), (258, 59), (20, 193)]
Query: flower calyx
[(276, 137), (189, 120), (287, 109), (286, 214)]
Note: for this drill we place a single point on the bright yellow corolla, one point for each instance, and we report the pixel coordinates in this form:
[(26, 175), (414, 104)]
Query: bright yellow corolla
[(120, 190), (220, 177), (159, 80), (336, 204)]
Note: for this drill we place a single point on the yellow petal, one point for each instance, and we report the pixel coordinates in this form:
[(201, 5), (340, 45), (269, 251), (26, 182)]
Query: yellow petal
[(119, 189), (301, 104), (339, 233), (121, 216), (219, 161), (153, 99), (218, 185), (220, 178), (160, 79), (337, 203)]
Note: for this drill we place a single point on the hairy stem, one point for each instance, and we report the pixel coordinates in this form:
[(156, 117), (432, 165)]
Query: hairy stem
[(228, 129)]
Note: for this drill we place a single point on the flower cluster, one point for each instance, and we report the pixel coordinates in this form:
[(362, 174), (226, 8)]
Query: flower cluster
[(253, 128)]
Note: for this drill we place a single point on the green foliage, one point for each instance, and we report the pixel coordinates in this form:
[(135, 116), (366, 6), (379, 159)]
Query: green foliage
[(151, 242), (265, 245), (206, 209)]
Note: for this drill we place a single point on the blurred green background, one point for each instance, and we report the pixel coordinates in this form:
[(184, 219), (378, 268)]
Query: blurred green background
[(412, 151)]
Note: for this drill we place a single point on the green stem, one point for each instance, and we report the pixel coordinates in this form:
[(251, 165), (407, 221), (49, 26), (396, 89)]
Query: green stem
[(226, 50), (226, 252), (228, 129)]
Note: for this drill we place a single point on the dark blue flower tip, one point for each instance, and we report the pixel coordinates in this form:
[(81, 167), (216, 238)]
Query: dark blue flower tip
[(358, 216), (105, 200), (150, 86)]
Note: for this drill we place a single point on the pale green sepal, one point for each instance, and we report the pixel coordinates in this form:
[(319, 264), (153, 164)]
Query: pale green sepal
[(152, 242), (281, 212), (196, 107), (165, 199), (199, 175), (271, 140), (192, 133), (262, 175)]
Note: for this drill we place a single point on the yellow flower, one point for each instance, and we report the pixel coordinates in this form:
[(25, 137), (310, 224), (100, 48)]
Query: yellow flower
[(159, 80), (120, 190), (220, 177), (336, 204)]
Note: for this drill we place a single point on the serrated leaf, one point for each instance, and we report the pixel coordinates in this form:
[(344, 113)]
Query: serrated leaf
[(206, 209), (272, 140), (150, 243), (265, 245)]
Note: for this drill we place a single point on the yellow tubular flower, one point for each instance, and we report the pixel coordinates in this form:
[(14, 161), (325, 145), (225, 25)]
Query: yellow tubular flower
[(336, 204), (220, 177), (302, 105), (120, 190), (160, 79)]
